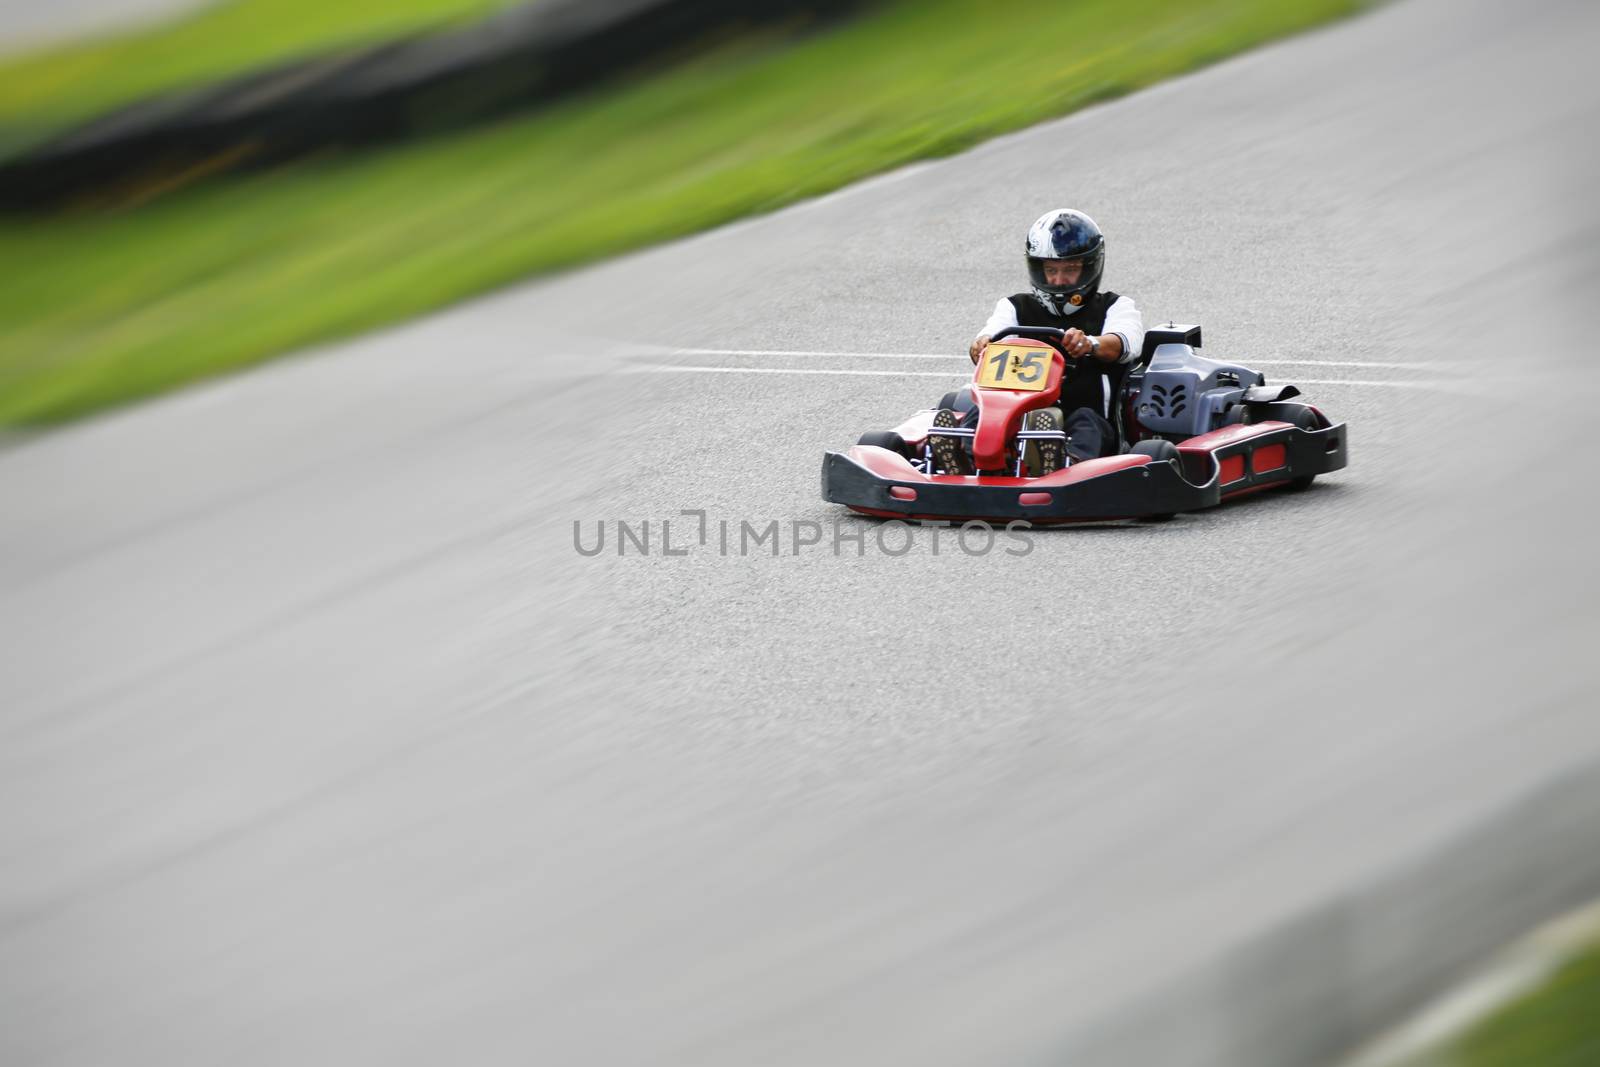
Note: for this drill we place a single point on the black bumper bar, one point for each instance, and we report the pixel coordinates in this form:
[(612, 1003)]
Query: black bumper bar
[(1133, 492)]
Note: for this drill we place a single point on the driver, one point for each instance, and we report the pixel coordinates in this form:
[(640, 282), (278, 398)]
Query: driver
[(1066, 255)]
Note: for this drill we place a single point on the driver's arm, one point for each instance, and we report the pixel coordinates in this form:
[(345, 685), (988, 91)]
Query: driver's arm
[(1077, 343), (1110, 347), (1123, 326)]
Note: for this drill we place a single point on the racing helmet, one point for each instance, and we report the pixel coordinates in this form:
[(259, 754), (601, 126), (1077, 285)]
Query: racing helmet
[(1070, 235)]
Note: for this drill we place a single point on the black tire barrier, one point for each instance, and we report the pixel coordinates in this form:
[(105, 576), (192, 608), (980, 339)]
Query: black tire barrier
[(523, 58)]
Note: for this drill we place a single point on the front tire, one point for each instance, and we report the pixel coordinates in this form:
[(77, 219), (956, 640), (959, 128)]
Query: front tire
[(1159, 450), (886, 439)]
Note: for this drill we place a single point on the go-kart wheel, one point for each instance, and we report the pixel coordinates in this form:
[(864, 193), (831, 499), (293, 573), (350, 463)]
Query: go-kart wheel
[(957, 400), (1249, 415), (886, 439), (1159, 450), (1304, 419)]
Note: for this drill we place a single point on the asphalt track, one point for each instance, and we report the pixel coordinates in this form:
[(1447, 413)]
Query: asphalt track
[(320, 742)]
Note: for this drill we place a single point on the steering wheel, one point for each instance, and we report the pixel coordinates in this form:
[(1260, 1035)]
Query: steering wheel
[(1050, 335)]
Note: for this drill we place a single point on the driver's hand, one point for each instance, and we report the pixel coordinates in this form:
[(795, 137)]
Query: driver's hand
[(977, 346), (1075, 342)]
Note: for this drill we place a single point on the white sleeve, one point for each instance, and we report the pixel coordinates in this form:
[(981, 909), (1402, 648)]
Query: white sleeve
[(1002, 316), (1124, 320)]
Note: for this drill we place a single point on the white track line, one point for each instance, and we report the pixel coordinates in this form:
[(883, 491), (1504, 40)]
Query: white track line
[(1361, 381), (954, 374), (957, 375), (954, 355), (1513, 971), (823, 355)]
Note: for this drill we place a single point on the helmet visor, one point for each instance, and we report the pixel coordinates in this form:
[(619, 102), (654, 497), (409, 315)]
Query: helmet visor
[(1066, 275)]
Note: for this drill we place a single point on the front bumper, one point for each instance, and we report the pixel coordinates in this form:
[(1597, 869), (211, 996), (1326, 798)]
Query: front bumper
[(876, 481)]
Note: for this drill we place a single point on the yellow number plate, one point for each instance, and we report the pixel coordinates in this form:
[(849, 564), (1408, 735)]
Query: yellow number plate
[(1021, 367)]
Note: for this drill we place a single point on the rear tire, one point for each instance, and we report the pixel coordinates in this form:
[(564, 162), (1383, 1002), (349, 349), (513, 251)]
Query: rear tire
[(1304, 419), (1249, 415), (886, 439)]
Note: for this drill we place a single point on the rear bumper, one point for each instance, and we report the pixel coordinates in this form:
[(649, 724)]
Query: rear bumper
[(1263, 455)]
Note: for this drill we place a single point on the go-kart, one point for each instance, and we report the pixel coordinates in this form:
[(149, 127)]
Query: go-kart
[(1191, 433)]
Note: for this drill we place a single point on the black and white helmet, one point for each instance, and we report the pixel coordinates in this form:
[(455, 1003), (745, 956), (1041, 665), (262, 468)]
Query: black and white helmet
[(1069, 235)]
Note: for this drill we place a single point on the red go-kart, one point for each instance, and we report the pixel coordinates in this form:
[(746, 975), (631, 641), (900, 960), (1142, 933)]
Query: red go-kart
[(1191, 433)]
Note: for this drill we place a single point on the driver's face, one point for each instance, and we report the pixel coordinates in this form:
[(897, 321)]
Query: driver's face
[(1063, 271)]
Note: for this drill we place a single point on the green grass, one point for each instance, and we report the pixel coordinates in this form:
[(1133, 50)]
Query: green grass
[(1556, 1025), (102, 309), (45, 91)]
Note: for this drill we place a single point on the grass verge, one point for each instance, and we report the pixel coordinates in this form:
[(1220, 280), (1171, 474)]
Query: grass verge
[(50, 89), (104, 309), (1556, 1025)]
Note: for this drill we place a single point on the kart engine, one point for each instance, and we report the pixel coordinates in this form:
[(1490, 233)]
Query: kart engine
[(1185, 394)]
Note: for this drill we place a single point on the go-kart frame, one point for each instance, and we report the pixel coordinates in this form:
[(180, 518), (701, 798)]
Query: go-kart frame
[(1262, 439)]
